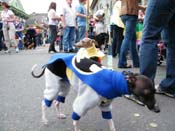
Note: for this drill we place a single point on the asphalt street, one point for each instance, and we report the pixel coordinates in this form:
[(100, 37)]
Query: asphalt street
[(21, 95)]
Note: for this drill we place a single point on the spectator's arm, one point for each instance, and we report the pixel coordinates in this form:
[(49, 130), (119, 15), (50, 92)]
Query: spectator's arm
[(80, 15), (63, 21)]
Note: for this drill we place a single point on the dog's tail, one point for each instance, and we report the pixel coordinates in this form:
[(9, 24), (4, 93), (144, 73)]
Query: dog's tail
[(39, 75)]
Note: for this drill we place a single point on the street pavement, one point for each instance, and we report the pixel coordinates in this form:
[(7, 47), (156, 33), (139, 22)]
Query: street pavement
[(21, 95)]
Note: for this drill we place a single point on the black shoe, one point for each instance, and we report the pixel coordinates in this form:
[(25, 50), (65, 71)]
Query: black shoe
[(169, 92), (71, 51), (52, 51), (55, 51), (66, 51), (127, 66), (114, 55)]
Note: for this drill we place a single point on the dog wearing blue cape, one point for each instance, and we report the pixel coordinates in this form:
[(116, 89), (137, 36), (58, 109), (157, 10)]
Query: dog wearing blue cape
[(95, 85)]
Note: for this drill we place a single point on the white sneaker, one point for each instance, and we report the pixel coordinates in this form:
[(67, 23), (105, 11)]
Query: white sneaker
[(17, 50), (7, 52)]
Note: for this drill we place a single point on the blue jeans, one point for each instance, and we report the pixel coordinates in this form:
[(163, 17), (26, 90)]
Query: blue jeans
[(129, 41), (160, 16), (19, 34), (81, 32), (68, 38)]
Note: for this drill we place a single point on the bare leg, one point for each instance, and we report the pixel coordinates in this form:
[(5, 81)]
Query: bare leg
[(60, 115), (76, 125), (111, 125), (43, 107)]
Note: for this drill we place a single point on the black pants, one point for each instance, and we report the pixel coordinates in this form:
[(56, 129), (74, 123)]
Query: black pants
[(117, 35), (53, 35), (2, 45)]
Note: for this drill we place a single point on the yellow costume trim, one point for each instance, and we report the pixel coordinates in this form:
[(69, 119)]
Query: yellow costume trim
[(69, 73)]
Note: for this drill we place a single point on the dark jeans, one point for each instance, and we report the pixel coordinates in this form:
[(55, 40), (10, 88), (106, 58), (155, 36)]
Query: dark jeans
[(2, 45), (160, 16), (53, 35), (39, 39), (19, 34), (117, 36), (129, 41)]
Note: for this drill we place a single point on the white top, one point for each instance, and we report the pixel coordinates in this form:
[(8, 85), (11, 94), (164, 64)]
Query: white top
[(115, 18), (6, 14), (69, 14), (52, 14), (100, 27)]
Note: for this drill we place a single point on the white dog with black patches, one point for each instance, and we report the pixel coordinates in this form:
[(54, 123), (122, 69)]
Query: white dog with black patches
[(65, 70)]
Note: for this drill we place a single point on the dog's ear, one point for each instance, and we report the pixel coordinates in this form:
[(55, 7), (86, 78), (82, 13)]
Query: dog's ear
[(145, 85), (95, 42), (80, 44), (131, 78)]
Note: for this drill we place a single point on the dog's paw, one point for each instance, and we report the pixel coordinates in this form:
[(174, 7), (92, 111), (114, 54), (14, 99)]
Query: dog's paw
[(113, 129), (61, 116), (45, 121), (77, 130)]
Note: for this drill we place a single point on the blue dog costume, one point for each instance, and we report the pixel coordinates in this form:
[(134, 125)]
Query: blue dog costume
[(95, 85)]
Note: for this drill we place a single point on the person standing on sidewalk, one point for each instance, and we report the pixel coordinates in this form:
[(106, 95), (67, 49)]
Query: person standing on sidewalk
[(159, 17), (2, 45), (129, 15), (8, 19), (68, 16), (53, 23), (81, 19), (117, 28)]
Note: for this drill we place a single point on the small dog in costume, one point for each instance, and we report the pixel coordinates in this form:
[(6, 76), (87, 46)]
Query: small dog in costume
[(82, 74), (56, 88)]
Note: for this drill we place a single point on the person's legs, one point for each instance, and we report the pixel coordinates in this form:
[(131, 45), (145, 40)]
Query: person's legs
[(12, 31), (119, 38), (66, 39), (34, 41), (61, 43), (76, 36), (130, 24), (6, 36), (134, 53), (158, 14), (81, 32), (71, 38), (169, 39), (114, 40), (53, 34), (1, 41)]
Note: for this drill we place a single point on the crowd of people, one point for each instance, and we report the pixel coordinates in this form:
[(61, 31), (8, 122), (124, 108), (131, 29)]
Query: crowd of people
[(70, 27), (14, 33)]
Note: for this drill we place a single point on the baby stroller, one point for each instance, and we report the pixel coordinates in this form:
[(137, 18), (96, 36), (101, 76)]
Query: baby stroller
[(161, 52), (101, 33), (30, 39)]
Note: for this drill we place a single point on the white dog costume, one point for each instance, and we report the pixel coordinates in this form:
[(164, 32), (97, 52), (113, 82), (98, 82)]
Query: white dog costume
[(95, 85)]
